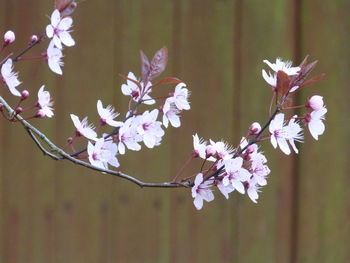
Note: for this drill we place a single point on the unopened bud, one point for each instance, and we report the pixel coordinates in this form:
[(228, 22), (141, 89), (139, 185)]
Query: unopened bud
[(315, 102), (254, 128), (33, 38), (18, 110), (24, 94), (210, 151), (40, 114), (70, 140), (9, 37)]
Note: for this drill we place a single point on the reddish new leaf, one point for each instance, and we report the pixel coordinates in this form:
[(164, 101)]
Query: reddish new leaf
[(313, 80), (158, 63), (166, 81), (283, 81), (145, 67)]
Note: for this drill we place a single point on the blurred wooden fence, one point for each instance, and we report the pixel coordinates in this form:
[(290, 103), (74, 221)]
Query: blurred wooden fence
[(56, 212)]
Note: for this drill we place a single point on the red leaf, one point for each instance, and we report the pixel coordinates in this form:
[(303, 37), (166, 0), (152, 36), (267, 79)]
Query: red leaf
[(158, 63), (312, 81), (145, 67), (166, 81), (283, 81)]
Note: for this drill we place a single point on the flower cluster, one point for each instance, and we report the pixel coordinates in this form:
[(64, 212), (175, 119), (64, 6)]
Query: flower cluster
[(145, 127), (244, 169)]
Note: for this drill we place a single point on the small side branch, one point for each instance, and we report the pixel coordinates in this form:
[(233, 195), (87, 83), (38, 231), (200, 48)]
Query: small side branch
[(57, 153)]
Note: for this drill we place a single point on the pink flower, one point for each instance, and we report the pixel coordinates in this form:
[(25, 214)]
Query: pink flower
[(149, 128), (170, 114), (315, 103), (131, 89), (253, 189), (107, 115), (201, 191), (103, 153), (44, 103), (314, 121), (254, 128), (58, 30), (9, 37), (83, 128), (54, 56), (222, 149), (10, 78), (180, 97), (235, 174), (224, 189), (199, 146), (129, 137), (280, 133)]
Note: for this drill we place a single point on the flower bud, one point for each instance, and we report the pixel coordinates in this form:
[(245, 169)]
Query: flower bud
[(18, 110), (254, 128), (40, 114), (9, 37), (315, 102), (24, 94), (210, 151), (33, 38), (70, 140)]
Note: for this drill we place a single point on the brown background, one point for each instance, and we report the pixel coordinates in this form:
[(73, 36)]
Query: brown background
[(57, 212)]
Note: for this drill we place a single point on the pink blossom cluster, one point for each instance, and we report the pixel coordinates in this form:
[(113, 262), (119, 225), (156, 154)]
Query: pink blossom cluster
[(244, 169), (137, 127)]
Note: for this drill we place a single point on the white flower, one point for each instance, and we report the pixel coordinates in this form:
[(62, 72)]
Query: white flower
[(131, 89), (108, 115), (280, 65), (201, 191), (224, 189), (199, 146), (129, 137), (9, 37), (170, 113), (149, 128), (222, 149), (253, 189), (280, 134), (10, 77), (315, 124), (58, 30), (315, 102), (44, 103), (235, 174), (271, 79), (54, 56), (180, 97), (103, 153), (83, 128)]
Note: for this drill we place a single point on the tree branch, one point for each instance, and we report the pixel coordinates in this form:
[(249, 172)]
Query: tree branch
[(34, 133)]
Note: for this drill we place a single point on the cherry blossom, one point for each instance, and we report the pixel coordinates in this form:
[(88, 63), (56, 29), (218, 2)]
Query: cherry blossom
[(199, 146), (149, 128), (83, 128), (253, 189), (280, 134), (286, 67), (171, 114), (180, 97), (235, 174), (201, 191), (131, 89), (58, 30), (315, 103), (103, 153), (10, 78), (222, 150), (44, 103), (254, 128), (128, 136), (9, 37), (314, 122), (224, 189), (54, 56), (107, 115)]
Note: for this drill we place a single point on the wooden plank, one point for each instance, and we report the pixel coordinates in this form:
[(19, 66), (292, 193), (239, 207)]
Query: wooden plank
[(323, 214), (140, 216), (264, 229), (203, 46)]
